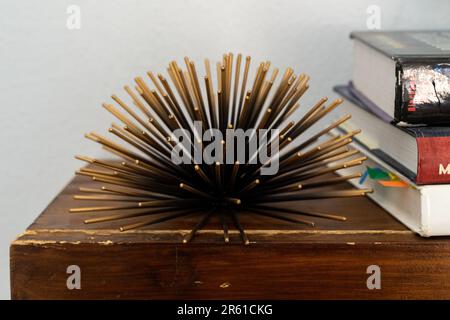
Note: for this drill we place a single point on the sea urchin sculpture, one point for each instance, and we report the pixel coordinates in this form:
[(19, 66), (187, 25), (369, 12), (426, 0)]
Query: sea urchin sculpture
[(158, 171)]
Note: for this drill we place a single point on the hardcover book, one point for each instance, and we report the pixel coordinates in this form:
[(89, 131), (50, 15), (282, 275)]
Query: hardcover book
[(420, 153), (423, 209), (407, 74)]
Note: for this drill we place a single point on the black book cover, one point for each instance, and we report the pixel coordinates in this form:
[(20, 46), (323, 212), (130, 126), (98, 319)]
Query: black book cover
[(422, 72)]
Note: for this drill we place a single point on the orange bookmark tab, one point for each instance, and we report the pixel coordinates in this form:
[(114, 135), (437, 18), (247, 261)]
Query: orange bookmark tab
[(393, 183)]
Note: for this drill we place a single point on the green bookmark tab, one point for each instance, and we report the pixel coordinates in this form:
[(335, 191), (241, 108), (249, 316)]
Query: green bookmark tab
[(378, 174)]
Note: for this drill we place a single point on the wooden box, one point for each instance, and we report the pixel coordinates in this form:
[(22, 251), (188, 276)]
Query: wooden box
[(283, 260)]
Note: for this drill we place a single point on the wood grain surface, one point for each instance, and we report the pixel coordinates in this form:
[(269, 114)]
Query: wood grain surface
[(283, 260)]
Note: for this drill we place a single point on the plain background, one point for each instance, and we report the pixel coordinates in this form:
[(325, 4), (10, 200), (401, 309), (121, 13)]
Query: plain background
[(53, 80)]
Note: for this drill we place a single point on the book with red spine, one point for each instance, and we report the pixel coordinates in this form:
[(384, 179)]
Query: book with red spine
[(421, 153)]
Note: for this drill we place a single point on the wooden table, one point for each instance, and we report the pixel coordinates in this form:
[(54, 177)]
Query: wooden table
[(283, 261)]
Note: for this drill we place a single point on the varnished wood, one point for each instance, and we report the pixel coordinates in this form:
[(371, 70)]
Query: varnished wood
[(282, 261)]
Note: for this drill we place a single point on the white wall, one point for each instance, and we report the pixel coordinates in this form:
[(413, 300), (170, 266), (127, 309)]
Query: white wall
[(52, 80)]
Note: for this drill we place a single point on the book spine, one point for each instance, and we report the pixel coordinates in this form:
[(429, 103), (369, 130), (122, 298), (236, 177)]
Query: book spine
[(433, 164), (422, 91)]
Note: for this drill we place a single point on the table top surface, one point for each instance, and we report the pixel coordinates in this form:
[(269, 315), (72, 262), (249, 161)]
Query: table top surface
[(366, 222)]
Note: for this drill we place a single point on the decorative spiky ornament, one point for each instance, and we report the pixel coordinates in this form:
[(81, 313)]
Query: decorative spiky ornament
[(145, 181)]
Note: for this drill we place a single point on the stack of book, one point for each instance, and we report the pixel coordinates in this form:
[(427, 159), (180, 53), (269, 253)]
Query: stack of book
[(399, 96)]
